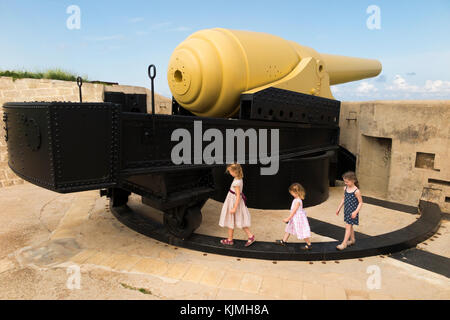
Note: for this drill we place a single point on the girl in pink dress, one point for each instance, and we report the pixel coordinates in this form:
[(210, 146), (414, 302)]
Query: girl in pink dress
[(234, 210), (297, 222)]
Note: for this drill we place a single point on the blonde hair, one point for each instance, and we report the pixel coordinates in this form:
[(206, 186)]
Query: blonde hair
[(350, 175), (236, 167), (298, 190)]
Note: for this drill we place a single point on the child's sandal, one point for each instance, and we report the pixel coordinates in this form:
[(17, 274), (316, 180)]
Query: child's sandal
[(283, 243), (341, 247), (306, 247), (250, 241), (227, 242), (350, 243)]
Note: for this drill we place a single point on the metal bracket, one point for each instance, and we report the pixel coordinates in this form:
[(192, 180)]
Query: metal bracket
[(79, 84), (152, 76)]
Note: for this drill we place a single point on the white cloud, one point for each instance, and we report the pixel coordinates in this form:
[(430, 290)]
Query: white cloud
[(437, 86), (395, 89), (400, 84), (432, 88), (364, 90), (366, 87), (335, 90)]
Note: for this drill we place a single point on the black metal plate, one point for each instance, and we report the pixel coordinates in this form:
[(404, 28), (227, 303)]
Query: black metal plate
[(74, 146), (288, 106), (146, 139), (30, 157)]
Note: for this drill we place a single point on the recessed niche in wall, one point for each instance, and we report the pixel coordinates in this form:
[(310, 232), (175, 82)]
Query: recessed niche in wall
[(375, 164), (437, 181), (425, 160)]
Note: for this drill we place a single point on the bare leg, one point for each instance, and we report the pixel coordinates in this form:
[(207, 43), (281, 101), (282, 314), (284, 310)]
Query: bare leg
[(286, 236), (352, 235), (347, 236), (230, 234), (308, 242), (247, 231)]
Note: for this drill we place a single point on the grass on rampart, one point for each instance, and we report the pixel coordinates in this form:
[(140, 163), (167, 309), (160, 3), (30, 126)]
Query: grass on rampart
[(53, 74)]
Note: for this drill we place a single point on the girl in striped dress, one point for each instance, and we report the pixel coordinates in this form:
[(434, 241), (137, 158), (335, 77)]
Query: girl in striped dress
[(352, 202), (297, 222)]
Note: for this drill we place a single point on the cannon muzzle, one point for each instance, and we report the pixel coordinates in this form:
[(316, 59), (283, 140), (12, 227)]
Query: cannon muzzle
[(210, 70), (342, 69)]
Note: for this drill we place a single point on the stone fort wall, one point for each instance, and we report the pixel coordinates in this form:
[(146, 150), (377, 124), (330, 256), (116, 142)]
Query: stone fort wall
[(402, 149)]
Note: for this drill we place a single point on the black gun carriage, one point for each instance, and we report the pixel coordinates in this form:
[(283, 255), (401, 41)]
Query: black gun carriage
[(119, 148)]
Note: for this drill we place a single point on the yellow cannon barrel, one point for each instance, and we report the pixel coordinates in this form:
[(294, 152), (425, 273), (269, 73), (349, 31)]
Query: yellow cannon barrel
[(343, 69), (210, 70)]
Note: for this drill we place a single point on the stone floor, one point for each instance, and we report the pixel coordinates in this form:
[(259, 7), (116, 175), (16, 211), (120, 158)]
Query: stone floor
[(48, 239)]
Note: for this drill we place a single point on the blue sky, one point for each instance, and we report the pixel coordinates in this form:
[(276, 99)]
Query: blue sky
[(118, 40)]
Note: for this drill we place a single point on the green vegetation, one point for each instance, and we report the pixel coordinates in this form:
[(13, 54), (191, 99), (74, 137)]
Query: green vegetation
[(141, 290), (54, 74)]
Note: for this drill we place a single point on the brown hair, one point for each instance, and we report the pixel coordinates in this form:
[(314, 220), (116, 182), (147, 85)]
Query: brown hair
[(350, 175), (236, 167), (298, 189)]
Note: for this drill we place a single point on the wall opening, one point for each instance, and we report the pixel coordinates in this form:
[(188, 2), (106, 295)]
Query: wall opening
[(441, 182), (425, 160), (375, 165)]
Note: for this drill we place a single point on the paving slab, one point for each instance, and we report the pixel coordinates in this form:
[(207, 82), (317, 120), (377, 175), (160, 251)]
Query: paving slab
[(212, 277), (231, 280), (177, 270), (313, 291), (195, 273), (335, 293), (291, 289), (251, 283), (271, 286)]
